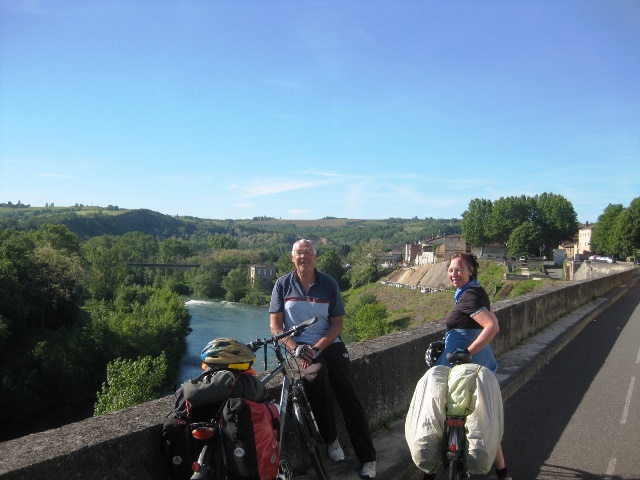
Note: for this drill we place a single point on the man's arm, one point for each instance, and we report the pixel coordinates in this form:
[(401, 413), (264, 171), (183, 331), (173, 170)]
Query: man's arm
[(335, 329)]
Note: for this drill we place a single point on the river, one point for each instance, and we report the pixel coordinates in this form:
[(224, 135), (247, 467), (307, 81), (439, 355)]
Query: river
[(218, 318)]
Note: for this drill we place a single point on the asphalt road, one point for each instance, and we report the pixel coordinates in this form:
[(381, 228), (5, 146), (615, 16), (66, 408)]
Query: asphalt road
[(579, 418)]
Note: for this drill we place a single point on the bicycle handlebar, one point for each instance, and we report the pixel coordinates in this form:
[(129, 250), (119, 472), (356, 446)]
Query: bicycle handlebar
[(295, 331)]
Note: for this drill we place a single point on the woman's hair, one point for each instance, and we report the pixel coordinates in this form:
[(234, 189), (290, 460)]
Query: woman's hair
[(470, 260), (303, 240)]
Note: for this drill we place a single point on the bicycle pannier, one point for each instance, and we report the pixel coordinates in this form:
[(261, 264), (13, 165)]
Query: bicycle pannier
[(250, 439), (474, 392), (424, 426)]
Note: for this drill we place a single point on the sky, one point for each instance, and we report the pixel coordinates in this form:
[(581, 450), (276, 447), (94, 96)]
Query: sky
[(303, 110)]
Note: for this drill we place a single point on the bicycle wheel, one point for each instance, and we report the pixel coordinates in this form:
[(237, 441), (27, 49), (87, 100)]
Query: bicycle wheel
[(311, 438), (456, 471)]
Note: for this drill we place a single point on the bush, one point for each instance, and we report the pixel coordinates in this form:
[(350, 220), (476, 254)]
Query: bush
[(130, 382)]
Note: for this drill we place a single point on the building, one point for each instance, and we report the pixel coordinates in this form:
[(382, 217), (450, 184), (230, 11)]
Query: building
[(263, 273), (441, 247), (584, 239)]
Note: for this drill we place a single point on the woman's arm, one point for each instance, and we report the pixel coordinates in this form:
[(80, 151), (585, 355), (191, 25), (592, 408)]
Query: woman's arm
[(489, 323)]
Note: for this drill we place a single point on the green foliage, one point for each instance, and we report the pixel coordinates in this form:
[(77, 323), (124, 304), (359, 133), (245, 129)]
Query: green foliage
[(475, 222), (284, 265), (223, 242), (526, 239), (130, 382), (331, 264), (617, 231), (236, 284), (174, 250), (526, 286), (550, 217), (366, 318), (365, 263)]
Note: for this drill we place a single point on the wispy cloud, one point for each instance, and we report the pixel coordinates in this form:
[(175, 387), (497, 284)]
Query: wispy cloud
[(260, 188), (53, 175)]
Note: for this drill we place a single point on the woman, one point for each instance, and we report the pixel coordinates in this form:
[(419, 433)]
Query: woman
[(471, 325)]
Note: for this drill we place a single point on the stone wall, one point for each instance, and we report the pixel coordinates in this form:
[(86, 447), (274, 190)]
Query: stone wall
[(127, 444)]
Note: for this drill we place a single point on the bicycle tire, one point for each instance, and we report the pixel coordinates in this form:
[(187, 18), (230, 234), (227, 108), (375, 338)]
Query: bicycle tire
[(213, 465), (456, 471), (311, 439)]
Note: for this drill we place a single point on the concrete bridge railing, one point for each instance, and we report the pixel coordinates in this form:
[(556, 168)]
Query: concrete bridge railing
[(127, 443)]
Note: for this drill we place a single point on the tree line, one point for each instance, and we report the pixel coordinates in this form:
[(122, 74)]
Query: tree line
[(617, 231), (523, 225), (532, 225)]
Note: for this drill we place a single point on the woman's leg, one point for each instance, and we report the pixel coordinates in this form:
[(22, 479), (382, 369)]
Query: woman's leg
[(499, 463)]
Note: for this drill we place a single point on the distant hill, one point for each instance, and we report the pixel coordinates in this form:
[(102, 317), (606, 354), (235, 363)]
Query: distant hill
[(91, 221), (145, 221)]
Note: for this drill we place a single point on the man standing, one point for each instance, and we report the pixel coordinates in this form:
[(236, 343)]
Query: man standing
[(326, 367)]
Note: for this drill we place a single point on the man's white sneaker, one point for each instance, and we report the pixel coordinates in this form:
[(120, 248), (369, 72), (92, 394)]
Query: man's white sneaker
[(368, 470), (335, 451)]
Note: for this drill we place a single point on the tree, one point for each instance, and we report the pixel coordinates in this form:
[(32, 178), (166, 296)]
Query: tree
[(222, 242), (475, 222), (236, 284), (603, 236), (365, 263), (526, 239), (108, 269), (331, 264), (173, 250), (627, 228), (58, 286), (506, 215), (556, 217), (206, 281)]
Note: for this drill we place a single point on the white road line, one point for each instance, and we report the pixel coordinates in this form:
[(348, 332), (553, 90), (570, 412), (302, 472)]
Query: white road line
[(627, 402), (638, 357), (610, 469)]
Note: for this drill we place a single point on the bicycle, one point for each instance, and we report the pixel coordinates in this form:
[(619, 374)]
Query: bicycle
[(211, 463), (293, 391), (455, 437)]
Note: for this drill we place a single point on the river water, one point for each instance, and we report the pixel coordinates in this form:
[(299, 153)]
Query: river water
[(218, 318)]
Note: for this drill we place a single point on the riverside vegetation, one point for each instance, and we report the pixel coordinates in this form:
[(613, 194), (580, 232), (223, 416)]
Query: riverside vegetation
[(78, 324)]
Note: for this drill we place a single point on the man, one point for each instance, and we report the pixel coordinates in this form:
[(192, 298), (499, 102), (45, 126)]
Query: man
[(326, 367)]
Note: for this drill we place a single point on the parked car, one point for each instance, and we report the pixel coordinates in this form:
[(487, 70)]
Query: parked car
[(603, 259), (594, 257), (523, 258)]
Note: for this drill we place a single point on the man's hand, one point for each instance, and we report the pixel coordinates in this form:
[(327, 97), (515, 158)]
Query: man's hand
[(306, 354)]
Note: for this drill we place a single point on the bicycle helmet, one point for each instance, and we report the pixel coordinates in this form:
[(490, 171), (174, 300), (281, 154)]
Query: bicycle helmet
[(433, 352), (227, 353)]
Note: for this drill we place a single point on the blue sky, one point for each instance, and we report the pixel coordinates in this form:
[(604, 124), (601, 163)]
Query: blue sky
[(301, 110)]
